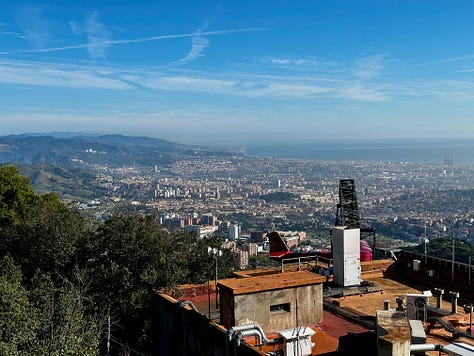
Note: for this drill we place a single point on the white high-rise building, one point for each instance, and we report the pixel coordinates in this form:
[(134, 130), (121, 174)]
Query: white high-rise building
[(234, 232), (277, 184)]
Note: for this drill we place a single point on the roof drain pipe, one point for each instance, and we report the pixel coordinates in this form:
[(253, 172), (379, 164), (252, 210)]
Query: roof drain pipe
[(425, 347)]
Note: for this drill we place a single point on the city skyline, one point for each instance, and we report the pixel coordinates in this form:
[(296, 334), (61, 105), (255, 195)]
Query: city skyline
[(239, 72)]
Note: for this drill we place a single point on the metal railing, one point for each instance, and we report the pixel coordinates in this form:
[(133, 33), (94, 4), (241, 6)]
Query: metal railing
[(437, 261), (306, 260)]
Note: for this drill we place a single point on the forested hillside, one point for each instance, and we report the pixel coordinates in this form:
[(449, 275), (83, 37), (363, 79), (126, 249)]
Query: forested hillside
[(111, 150), (69, 285)]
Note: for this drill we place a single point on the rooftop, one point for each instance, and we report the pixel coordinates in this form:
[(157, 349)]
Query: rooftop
[(270, 282), (353, 310)]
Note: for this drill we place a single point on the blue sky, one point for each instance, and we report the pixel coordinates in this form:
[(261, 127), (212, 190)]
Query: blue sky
[(239, 72)]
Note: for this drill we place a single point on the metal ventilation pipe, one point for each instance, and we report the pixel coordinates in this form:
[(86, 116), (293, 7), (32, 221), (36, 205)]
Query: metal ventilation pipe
[(454, 301), (399, 301), (246, 327), (438, 292), (244, 333), (468, 308), (258, 333), (236, 328), (425, 347)]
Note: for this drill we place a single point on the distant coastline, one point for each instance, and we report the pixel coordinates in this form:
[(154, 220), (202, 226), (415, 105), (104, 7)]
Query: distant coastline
[(459, 152), (434, 152)]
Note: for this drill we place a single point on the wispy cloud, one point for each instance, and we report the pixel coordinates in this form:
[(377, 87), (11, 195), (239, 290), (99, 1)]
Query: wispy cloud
[(55, 75), (263, 87), (299, 63), (157, 81), (98, 36), (469, 57), (362, 93), (464, 70), (35, 27), (447, 66), (284, 85), (289, 90), (198, 44), (106, 43), (370, 66), (246, 85), (13, 34)]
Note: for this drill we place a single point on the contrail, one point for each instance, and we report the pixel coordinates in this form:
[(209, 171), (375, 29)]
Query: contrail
[(137, 40)]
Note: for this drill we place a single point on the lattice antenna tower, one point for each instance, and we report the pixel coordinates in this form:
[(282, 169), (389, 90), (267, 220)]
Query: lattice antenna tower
[(347, 210)]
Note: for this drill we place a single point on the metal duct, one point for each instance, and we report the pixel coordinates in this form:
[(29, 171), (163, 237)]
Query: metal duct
[(250, 330), (425, 347), (261, 339), (257, 327)]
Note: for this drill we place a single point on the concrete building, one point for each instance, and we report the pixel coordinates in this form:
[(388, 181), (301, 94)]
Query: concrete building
[(258, 236), (277, 184), (267, 312), (292, 238), (234, 232), (252, 248), (275, 302), (208, 219), (202, 231), (241, 259)]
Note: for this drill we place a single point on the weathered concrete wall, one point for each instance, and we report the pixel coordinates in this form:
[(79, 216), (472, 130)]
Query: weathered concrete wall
[(179, 330), (393, 333), (306, 307), (226, 303)]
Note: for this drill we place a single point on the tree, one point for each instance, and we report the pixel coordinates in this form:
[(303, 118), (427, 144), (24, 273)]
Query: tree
[(201, 263), (16, 196), (17, 317), (260, 261), (128, 257), (64, 328), (41, 310), (49, 237), (68, 289)]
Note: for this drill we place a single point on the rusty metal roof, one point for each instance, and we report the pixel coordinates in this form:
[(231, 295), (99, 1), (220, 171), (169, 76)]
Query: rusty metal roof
[(269, 282)]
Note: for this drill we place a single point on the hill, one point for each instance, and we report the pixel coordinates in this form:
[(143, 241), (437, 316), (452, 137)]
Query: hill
[(69, 164), (69, 183), (111, 150)]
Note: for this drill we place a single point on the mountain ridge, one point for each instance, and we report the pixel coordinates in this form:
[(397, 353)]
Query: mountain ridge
[(113, 150)]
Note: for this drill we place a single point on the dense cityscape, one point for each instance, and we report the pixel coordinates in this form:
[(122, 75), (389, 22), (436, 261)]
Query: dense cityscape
[(404, 200), (120, 234), (237, 178)]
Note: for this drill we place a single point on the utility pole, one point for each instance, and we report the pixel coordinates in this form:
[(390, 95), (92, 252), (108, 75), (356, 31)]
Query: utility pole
[(215, 283), (470, 271), (425, 241), (209, 297), (452, 261), (468, 309), (215, 253), (108, 332)]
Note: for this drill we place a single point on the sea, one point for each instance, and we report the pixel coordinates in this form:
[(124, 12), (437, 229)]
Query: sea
[(433, 152)]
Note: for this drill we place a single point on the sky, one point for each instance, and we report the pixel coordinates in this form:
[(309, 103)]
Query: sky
[(239, 72)]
